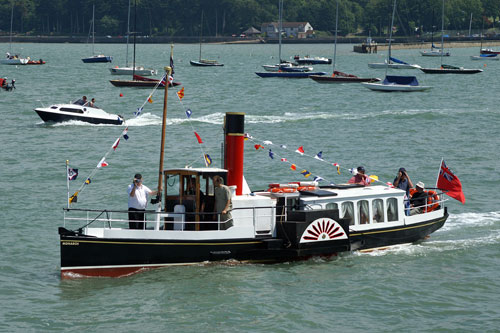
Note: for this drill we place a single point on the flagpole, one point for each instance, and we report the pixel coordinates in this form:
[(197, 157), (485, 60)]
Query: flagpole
[(168, 71), (67, 180), (439, 171)]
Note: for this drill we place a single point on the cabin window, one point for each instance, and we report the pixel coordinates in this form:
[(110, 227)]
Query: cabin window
[(363, 212), (347, 212), (378, 210), (332, 205), (172, 182), (392, 209), (71, 110)]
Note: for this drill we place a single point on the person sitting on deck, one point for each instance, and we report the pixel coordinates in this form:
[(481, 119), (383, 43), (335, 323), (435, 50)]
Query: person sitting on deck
[(418, 200), (359, 177)]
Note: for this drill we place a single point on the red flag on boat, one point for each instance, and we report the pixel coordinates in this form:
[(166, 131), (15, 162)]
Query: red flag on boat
[(150, 100), (198, 137), (300, 150), (293, 167), (257, 147), (449, 182)]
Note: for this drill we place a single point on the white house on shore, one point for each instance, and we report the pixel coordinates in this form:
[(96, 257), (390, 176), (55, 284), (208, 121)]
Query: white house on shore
[(290, 29)]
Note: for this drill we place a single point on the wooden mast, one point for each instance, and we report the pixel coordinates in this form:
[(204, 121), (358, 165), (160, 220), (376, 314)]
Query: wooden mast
[(168, 72)]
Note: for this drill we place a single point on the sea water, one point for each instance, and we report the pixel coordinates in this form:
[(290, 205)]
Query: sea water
[(449, 282)]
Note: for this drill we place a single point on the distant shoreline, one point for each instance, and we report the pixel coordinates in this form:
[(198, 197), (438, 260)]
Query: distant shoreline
[(399, 43)]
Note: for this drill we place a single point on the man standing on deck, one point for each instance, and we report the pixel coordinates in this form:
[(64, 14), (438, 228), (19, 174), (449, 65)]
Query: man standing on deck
[(223, 203), (138, 195)]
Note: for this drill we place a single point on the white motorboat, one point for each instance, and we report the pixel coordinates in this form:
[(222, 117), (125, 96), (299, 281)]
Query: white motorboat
[(139, 70), (75, 111)]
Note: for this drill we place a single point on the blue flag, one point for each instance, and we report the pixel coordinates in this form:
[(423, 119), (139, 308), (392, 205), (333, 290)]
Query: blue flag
[(189, 113), (271, 154)]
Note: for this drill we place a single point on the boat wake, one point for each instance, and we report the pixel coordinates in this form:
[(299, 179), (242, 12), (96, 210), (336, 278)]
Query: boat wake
[(475, 220)]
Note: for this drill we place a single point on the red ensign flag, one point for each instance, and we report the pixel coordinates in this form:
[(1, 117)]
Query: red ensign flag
[(449, 182)]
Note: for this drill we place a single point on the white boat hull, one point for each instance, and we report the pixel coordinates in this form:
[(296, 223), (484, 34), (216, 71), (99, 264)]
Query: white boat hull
[(139, 70), (484, 58), (394, 87), (15, 61)]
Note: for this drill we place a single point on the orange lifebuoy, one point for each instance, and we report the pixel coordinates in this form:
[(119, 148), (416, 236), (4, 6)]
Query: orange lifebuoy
[(282, 190), (306, 188), (432, 201)]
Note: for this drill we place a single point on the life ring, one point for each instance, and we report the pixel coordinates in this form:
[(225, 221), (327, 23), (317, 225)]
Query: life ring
[(282, 190), (432, 201), (306, 188)]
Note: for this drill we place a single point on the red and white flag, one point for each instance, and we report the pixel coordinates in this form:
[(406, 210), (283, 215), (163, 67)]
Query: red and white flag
[(450, 183), (102, 163), (300, 150), (115, 145)]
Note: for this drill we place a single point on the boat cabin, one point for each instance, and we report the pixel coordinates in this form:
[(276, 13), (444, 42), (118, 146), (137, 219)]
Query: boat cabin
[(190, 192)]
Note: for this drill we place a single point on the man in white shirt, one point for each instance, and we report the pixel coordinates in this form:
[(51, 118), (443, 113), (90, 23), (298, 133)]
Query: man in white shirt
[(138, 195)]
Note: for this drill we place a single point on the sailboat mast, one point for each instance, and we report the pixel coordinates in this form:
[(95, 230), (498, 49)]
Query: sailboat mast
[(168, 72), (135, 32), (280, 26), (201, 33), (93, 27), (128, 33), (390, 37), (11, 20), (335, 47), (442, 34)]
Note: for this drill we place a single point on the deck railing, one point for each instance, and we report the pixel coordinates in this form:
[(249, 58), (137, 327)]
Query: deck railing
[(160, 220)]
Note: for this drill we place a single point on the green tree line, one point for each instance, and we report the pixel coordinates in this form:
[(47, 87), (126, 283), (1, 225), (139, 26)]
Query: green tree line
[(226, 17)]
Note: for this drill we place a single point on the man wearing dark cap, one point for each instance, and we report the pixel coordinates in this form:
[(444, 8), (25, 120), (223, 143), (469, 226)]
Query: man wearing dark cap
[(138, 195), (360, 177), (403, 181)]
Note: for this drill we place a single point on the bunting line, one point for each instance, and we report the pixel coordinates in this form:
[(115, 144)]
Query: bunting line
[(260, 145)]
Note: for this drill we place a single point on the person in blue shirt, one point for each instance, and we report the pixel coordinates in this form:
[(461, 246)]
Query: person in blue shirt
[(403, 182)]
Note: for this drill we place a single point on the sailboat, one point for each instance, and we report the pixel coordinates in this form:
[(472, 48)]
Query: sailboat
[(12, 59), (395, 82), (448, 69), (139, 81), (434, 51), (94, 57), (286, 69), (484, 56), (284, 66), (127, 70), (287, 222), (339, 77), (204, 62)]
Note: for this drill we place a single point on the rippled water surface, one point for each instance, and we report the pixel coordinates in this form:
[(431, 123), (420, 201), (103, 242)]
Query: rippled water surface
[(447, 283)]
